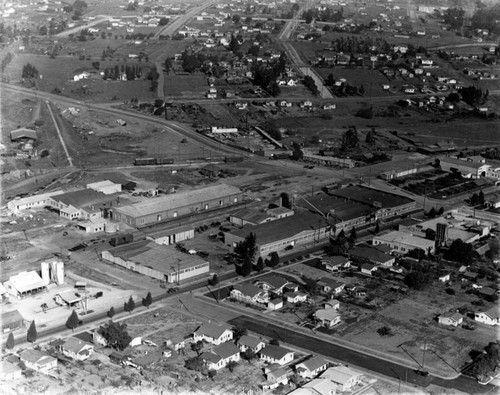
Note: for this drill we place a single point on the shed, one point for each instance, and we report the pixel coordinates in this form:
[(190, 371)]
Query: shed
[(12, 320), (23, 133)]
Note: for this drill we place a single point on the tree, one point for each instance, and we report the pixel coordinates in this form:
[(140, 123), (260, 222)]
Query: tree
[(370, 137), (198, 346), (239, 331), (73, 321), (148, 300), (163, 21), (384, 331), (111, 312), (115, 334), (249, 354), (418, 279), (352, 236), (377, 228), (247, 248), (214, 280), (260, 265), (245, 268), (350, 139), (274, 342), (212, 373), (273, 260), (236, 19), (231, 365), (32, 332), (195, 363), (416, 253), (459, 251), (10, 341), (29, 71), (129, 306)]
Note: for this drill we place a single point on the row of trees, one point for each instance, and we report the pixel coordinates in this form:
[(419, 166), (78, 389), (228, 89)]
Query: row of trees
[(132, 72), (265, 75), (325, 14)]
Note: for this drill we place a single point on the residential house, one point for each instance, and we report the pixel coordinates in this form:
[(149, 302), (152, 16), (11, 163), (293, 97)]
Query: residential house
[(368, 268), (328, 284), (444, 278), (221, 355), (38, 361), (335, 263), (328, 317), (273, 283), (296, 297), (488, 317), (213, 334), (451, 319), (248, 293), (276, 375), (275, 304), (331, 304), (276, 354), (253, 343), (10, 371), (311, 367), (77, 349), (318, 386), (344, 377)]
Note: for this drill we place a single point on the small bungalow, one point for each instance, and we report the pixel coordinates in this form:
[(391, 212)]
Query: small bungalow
[(368, 268), (328, 317), (221, 355), (213, 333), (275, 304), (335, 263), (311, 367), (328, 284), (253, 343), (276, 354), (344, 377), (38, 361), (451, 319), (296, 297), (488, 317), (77, 349)]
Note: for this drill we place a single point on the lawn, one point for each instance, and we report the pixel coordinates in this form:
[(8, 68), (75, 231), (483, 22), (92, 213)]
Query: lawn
[(192, 85)]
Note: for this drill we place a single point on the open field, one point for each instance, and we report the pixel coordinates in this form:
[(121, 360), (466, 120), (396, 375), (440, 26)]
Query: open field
[(192, 85)]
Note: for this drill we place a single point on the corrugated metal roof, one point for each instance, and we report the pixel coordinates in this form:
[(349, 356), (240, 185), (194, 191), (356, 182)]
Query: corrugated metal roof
[(177, 200)]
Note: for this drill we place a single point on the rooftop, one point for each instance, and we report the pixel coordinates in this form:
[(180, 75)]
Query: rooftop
[(371, 196), (280, 229), (27, 281), (274, 352), (314, 363), (249, 341), (226, 350), (84, 197), (74, 345), (252, 216), (405, 238), (275, 281), (211, 330), (339, 208), (156, 256), (455, 161), (339, 374), (327, 314), (9, 317), (248, 289), (176, 200), (370, 253)]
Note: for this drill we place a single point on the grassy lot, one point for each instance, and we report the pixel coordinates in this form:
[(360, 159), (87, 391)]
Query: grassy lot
[(193, 85)]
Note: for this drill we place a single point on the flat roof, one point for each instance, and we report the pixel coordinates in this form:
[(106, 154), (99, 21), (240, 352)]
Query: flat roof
[(460, 162), (371, 196), (83, 198), (397, 236), (35, 198), (167, 232), (156, 256), (339, 208), (280, 229), (176, 200)]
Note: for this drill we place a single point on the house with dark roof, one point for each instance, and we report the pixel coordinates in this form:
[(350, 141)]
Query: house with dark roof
[(311, 367), (253, 343), (273, 283), (276, 376), (221, 355), (368, 268), (335, 263), (213, 333), (276, 354), (12, 320), (329, 284), (295, 297), (248, 293), (367, 254), (38, 361), (77, 349)]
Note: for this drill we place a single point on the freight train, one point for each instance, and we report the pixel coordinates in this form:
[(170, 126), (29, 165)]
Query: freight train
[(170, 161)]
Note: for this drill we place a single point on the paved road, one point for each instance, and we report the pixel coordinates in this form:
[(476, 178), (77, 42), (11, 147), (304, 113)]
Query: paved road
[(309, 342), (99, 19), (70, 160)]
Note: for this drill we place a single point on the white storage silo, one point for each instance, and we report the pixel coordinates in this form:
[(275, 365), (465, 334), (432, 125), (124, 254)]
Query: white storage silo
[(60, 273), (45, 272)]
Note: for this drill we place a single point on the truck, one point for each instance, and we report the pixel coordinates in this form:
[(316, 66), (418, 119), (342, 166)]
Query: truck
[(122, 239)]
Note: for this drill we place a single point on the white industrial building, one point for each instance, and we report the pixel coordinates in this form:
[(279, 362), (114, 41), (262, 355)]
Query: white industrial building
[(35, 201), (402, 242), (107, 187)]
